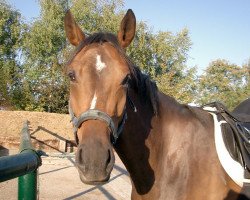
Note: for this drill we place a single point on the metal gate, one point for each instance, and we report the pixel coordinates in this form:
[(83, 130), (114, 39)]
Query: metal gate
[(24, 166)]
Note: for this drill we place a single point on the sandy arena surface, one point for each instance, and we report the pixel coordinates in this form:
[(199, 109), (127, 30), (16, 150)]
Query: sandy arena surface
[(58, 177)]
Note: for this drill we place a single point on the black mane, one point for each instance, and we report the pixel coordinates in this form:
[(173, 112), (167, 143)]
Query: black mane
[(141, 82)]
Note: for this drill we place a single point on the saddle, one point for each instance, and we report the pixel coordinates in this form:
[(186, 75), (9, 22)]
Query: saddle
[(236, 135)]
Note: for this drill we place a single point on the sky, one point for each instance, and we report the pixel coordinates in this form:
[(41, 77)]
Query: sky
[(218, 29)]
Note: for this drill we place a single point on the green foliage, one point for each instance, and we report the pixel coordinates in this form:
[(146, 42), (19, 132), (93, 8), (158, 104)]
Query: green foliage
[(98, 15), (224, 82), (43, 50), (10, 38), (32, 57), (180, 84)]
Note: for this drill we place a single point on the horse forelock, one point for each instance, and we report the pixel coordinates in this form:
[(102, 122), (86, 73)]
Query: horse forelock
[(141, 82)]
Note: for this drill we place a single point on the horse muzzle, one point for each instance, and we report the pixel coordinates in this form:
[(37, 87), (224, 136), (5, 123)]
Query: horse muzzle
[(94, 163)]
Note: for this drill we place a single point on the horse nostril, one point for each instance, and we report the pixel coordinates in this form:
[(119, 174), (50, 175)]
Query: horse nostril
[(80, 157), (109, 157), (110, 161)]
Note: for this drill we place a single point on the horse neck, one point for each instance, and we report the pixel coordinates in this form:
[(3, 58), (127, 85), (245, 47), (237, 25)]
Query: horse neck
[(141, 144), (132, 145)]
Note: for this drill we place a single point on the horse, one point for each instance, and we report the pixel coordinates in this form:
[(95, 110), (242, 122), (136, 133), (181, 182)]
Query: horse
[(168, 148)]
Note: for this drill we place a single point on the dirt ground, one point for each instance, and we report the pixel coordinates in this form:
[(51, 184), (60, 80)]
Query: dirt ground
[(58, 177), (59, 180), (47, 130), (42, 125)]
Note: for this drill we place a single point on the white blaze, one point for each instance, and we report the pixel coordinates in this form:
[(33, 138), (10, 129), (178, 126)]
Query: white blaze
[(99, 64), (93, 102)]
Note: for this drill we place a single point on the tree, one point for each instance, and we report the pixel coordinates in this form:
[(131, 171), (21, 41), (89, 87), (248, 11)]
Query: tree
[(181, 84), (171, 72), (10, 42), (246, 72), (43, 49), (98, 15), (223, 82)]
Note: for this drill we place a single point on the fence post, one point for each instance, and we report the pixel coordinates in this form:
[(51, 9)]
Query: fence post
[(27, 184)]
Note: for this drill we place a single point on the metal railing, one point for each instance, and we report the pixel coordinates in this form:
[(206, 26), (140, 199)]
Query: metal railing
[(24, 166)]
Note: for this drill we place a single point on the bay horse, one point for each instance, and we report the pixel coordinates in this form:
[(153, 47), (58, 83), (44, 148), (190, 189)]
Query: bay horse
[(167, 147)]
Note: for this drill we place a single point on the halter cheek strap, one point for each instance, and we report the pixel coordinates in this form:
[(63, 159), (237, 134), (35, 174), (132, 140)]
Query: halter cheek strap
[(94, 114)]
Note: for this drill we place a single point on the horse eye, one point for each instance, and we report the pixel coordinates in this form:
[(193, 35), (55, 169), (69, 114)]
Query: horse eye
[(72, 75), (126, 80)]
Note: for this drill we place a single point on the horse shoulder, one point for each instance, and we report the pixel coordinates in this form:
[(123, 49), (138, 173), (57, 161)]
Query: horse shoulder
[(188, 152)]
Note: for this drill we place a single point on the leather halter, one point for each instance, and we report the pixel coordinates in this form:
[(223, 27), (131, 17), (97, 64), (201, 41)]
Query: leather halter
[(94, 114)]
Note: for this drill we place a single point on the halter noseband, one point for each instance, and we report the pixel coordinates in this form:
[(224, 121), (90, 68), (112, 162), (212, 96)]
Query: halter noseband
[(94, 114)]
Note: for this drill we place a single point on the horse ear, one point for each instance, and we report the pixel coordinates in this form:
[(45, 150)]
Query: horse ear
[(73, 32), (127, 29)]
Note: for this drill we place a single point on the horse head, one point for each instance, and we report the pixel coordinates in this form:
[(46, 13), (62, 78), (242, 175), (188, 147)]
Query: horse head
[(99, 72)]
